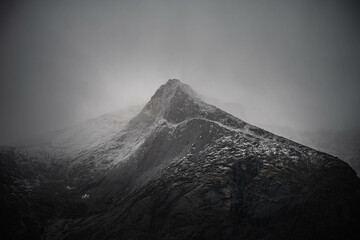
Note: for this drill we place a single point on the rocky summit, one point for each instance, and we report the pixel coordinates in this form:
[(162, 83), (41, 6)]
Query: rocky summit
[(178, 169)]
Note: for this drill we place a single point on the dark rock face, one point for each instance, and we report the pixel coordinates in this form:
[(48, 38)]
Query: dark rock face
[(196, 173)]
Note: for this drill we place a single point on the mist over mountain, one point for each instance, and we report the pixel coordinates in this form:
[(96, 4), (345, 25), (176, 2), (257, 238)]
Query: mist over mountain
[(263, 145), (288, 63), (178, 169)]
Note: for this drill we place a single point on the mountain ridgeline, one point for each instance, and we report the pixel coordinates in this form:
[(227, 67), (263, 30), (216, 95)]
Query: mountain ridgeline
[(179, 169)]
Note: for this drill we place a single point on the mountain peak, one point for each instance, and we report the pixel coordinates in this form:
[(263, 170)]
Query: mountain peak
[(174, 81), (175, 102), (173, 85)]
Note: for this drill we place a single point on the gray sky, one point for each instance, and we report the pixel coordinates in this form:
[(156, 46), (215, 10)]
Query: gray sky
[(287, 63)]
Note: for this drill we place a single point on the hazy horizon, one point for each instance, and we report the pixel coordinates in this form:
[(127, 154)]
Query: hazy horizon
[(287, 63)]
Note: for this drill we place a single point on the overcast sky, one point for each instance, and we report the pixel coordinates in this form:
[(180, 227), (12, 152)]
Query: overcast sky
[(287, 63)]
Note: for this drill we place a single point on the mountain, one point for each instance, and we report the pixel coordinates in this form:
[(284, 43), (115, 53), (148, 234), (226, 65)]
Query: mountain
[(179, 169)]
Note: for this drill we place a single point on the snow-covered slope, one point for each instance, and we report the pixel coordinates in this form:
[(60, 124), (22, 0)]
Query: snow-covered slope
[(342, 144)]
